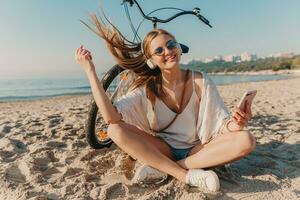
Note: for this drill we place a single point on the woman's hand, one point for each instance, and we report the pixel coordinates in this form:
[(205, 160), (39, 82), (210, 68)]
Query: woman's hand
[(241, 117), (84, 58), (108, 111)]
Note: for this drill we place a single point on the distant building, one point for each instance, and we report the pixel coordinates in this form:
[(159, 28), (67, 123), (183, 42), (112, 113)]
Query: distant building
[(237, 59), (207, 60), (229, 58), (244, 57), (248, 57), (217, 58), (284, 55)]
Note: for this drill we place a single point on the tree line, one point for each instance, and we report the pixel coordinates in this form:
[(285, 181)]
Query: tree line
[(270, 63)]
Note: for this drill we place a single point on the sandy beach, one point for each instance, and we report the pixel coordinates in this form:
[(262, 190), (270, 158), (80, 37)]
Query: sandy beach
[(44, 153)]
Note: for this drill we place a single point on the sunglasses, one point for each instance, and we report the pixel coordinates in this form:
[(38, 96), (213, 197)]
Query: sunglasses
[(159, 51)]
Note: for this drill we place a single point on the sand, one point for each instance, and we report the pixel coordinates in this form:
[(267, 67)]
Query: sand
[(44, 154)]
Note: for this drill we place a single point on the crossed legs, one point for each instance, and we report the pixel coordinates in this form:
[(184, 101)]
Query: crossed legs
[(146, 148), (155, 152), (223, 149)]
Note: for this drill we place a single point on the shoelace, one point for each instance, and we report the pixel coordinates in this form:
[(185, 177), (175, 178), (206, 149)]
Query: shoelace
[(197, 178)]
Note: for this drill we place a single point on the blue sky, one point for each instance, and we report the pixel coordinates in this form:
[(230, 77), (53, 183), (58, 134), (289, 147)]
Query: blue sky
[(38, 38)]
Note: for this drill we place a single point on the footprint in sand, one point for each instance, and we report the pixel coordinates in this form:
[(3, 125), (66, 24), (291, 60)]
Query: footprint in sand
[(8, 156), (77, 110), (91, 177), (101, 165), (11, 149), (40, 164), (72, 172), (30, 134), (48, 173), (18, 125), (19, 146), (39, 169), (50, 154), (70, 189), (114, 191), (67, 126), (5, 129), (13, 174), (79, 144), (36, 126), (54, 120), (55, 144)]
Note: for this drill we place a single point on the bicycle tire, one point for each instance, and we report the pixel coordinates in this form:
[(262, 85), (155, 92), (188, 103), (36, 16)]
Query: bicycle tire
[(90, 125)]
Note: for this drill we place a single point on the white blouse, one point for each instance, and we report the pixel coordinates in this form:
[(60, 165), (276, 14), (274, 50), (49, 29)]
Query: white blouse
[(182, 133), (136, 109)]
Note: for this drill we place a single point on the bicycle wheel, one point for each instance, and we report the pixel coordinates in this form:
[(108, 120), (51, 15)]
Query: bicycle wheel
[(95, 127)]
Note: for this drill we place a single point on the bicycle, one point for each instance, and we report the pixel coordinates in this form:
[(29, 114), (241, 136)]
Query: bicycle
[(96, 135)]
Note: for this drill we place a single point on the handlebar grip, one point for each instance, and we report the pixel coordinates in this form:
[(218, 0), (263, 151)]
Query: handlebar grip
[(204, 20), (196, 11)]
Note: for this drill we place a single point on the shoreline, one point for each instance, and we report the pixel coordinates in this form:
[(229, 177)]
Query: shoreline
[(290, 74), (44, 98)]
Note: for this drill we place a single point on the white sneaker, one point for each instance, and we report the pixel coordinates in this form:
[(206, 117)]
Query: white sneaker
[(145, 173), (201, 178)]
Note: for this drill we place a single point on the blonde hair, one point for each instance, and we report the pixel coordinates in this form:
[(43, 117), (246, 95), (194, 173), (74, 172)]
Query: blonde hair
[(129, 55)]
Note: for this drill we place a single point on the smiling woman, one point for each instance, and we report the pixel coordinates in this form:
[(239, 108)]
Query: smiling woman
[(171, 118), (162, 53)]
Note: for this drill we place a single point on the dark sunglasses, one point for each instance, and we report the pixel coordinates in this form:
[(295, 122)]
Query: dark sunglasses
[(159, 51)]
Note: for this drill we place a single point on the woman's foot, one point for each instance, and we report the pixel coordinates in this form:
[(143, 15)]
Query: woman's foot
[(145, 173), (204, 179)]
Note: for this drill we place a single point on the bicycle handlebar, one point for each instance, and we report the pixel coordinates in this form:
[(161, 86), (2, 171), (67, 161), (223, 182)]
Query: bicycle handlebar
[(155, 20)]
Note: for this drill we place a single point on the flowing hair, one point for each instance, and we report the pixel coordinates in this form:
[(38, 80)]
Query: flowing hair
[(129, 55)]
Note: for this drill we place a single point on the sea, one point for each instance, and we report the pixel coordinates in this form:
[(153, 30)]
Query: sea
[(32, 89)]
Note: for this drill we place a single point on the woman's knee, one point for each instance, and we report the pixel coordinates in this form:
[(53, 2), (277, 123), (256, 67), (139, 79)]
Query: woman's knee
[(246, 143)]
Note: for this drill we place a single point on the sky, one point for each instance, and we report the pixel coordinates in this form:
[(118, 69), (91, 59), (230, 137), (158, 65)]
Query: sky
[(38, 38)]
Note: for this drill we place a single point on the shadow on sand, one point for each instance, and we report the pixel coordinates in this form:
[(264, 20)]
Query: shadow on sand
[(275, 160)]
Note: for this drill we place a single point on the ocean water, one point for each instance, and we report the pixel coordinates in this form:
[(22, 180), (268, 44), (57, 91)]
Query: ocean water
[(29, 89)]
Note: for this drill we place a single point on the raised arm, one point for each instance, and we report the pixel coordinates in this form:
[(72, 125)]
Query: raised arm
[(108, 111)]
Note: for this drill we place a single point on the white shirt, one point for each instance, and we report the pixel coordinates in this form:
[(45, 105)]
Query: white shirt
[(136, 109), (182, 133)]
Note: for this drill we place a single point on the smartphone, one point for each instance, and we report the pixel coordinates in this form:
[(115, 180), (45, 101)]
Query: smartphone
[(247, 97)]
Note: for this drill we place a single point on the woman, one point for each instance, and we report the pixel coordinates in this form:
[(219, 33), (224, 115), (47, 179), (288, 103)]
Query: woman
[(172, 120)]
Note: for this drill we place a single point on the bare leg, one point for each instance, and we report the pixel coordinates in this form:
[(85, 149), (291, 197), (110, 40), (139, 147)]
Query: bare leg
[(146, 148), (225, 148)]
